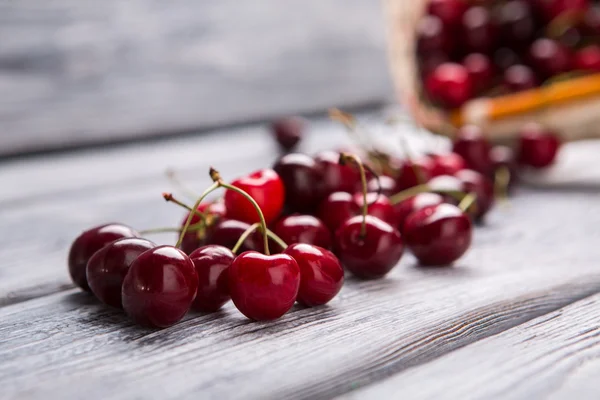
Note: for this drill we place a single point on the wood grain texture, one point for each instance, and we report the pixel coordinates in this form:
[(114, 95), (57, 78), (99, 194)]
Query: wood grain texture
[(556, 356), (75, 72)]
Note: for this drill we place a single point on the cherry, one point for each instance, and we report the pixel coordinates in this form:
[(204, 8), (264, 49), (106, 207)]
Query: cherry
[(336, 177), (432, 36), (517, 22), (160, 286), (265, 187), (479, 32), (588, 59), (89, 242), (555, 8), (471, 144), (549, 57), (227, 232), (368, 247), (449, 11), (482, 187), (387, 184), (520, 77), (321, 274), (430, 61), (438, 235), (340, 206), (211, 263), (481, 69), (538, 147), (414, 203), (302, 177), (107, 268), (505, 58), (288, 131), (263, 287), (591, 22), (447, 186), (413, 172), (447, 164), (193, 240), (303, 229), (449, 85)]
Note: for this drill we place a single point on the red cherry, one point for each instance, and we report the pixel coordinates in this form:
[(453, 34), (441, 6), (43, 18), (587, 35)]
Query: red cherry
[(520, 77), (340, 206), (227, 232), (517, 22), (378, 206), (549, 57), (558, 7), (449, 11), (160, 286), (288, 131), (447, 164), (479, 32), (471, 144), (432, 36), (107, 268), (211, 263), (373, 254), (303, 229), (265, 187), (414, 172), (263, 287), (588, 59), (438, 235), (449, 85), (321, 274), (414, 203), (193, 240), (591, 22), (538, 146), (446, 186), (481, 69), (302, 178), (387, 184), (482, 187), (505, 58), (427, 63), (89, 242), (336, 177)]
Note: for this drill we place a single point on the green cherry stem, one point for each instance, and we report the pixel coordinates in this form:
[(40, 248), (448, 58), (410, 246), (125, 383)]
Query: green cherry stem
[(344, 158), (467, 202), (501, 182), (191, 228), (210, 189), (405, 194), (216, 177), (276, 239), (170, 198), (244, 236)]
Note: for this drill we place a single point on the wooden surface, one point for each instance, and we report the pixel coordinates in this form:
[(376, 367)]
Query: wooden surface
[(75, 72), (514, 316)]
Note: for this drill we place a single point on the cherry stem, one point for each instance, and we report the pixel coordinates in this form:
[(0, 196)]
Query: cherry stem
[(405, 194), (501, 182), (244, 236), (192, 228), (467, 202), (178, 183), (216, 177), (344, 158), (276, 239), (376, 175), (169, 197), (210, 189)]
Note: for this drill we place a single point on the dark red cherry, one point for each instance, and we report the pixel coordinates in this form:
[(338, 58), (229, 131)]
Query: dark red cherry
[(414, 203), (591, 22), (321, 274), (449, 85), (538, 146), (517, 23), (449, 11), (471, 144), (482, 187), (263, 287), (481, 69), (549, 57), (265, 187), (303, 229), (302, 178), (447, 164), (505, 58), (89, 242), (193, 240), (438, 235), (432, 36), (414, 172), (427, 63), (588, 59), (387, 184), (160, 287), (288, 131), (211, 263), (555, 8), (107, 268), (340, 206), (372, 255), (336, 177), (227, 232), (378, 206), (479, 32), (520, 77)]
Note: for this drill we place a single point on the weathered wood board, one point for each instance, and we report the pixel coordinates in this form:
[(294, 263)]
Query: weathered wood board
[(532, 258), (74, 72)]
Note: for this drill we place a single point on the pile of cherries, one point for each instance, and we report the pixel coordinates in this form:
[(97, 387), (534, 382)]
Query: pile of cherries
[(298, 224), (472, 48)]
